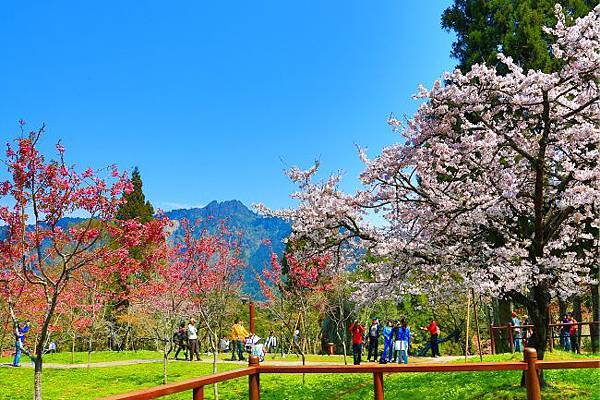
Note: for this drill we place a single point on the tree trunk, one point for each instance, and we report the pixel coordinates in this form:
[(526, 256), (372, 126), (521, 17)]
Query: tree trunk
[(165, 361), (502, 310), (594, 328), (89, 358), (73, 350), (538, 309), (37, 378), (577, 315), (215, 348), (562, 308)]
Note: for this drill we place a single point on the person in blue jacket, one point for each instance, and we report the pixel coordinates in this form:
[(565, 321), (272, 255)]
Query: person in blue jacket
[(387, 334), (402, 342), (20, 332)]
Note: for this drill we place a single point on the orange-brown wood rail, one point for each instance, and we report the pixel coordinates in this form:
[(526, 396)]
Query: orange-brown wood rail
[(191, 384), (531, 365)]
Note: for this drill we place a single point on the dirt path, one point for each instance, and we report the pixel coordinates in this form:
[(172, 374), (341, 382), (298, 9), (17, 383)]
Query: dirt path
[(413, 360)]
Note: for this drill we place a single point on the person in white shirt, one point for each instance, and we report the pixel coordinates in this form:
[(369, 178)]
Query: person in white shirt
[(224, 345), (271, 343), (192, 333)]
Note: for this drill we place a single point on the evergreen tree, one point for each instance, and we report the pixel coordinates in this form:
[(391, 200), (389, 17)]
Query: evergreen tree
[(514, 27), (136, 205)]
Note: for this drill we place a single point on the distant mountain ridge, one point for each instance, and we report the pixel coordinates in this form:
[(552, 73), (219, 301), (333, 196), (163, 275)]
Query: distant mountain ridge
[(256, 231)]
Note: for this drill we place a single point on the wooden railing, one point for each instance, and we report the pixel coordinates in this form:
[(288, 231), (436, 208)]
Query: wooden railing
[(531, 365)]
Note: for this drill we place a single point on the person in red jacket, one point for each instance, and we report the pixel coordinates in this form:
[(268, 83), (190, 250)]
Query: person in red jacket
[(434, 332), (358, 332)]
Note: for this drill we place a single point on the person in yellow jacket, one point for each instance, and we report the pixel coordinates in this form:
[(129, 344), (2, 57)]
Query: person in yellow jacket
[(238, 335)]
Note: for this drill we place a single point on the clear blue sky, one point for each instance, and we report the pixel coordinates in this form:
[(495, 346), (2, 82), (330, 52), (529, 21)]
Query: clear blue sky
[(212, 100)]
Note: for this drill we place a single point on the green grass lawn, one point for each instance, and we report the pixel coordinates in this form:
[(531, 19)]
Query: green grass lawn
[(16, 384)]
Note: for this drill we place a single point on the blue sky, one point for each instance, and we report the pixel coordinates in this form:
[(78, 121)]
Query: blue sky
[(212, 100)]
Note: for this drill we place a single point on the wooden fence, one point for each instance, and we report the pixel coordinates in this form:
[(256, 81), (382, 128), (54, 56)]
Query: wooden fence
[(531, 365), (551, 328)]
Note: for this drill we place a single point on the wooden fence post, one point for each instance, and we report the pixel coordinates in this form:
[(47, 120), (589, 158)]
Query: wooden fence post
[(378, 385), (532, 380), (253, 380), (511, 340), (492, 341), (198, 393)]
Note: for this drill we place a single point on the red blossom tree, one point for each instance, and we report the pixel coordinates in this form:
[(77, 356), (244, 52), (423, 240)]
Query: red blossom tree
[(41, 256)]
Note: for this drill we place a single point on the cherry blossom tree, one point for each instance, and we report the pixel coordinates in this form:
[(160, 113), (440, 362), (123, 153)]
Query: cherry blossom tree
[(495, 186), (40, 255), (212, 262), (293, 287)]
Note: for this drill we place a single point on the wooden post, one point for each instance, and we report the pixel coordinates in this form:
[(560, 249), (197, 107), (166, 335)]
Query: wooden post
[(492, 341), (511, 340), (253, 380), (468, 321), (198, 393), (532, 380), (477, 324), (251, 306), (551, 329), (378, 385)]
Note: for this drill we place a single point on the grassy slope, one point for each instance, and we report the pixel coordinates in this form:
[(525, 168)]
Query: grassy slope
[(88, 384)]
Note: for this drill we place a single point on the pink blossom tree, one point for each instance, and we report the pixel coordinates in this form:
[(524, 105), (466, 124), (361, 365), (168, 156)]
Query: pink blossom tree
[(495, 186), (40, 256), (294, 286)]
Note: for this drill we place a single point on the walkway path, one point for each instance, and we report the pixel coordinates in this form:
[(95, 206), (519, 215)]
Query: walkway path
[(278, 361)]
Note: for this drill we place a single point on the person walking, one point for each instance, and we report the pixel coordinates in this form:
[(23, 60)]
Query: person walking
[(374, 332), (357, 331), (238, 336), (271, 343), (20, 332), (434, 332), (192, 336), (565, 340), (402, 341), (387, 333), (515, 326), (180, 338), (573, 333)]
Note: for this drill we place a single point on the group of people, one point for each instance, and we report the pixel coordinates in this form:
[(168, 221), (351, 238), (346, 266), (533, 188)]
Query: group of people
[(239, 342), (569, 338), (396, 340), (186, 339), (522, 332)]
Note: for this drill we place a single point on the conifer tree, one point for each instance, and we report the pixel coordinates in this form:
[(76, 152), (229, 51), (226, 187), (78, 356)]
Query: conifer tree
[(136, 205)]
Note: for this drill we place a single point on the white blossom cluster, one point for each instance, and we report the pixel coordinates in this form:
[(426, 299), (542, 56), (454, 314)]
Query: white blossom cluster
[(496, 185)]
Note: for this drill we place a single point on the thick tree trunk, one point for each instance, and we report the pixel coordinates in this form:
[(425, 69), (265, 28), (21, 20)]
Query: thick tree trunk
[(594, 328), (502, 309), (538, 309), (562, 307)]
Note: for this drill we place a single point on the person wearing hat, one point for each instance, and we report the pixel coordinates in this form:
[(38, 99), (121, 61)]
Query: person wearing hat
[(374, 332), (515, 323), (192, 334)]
